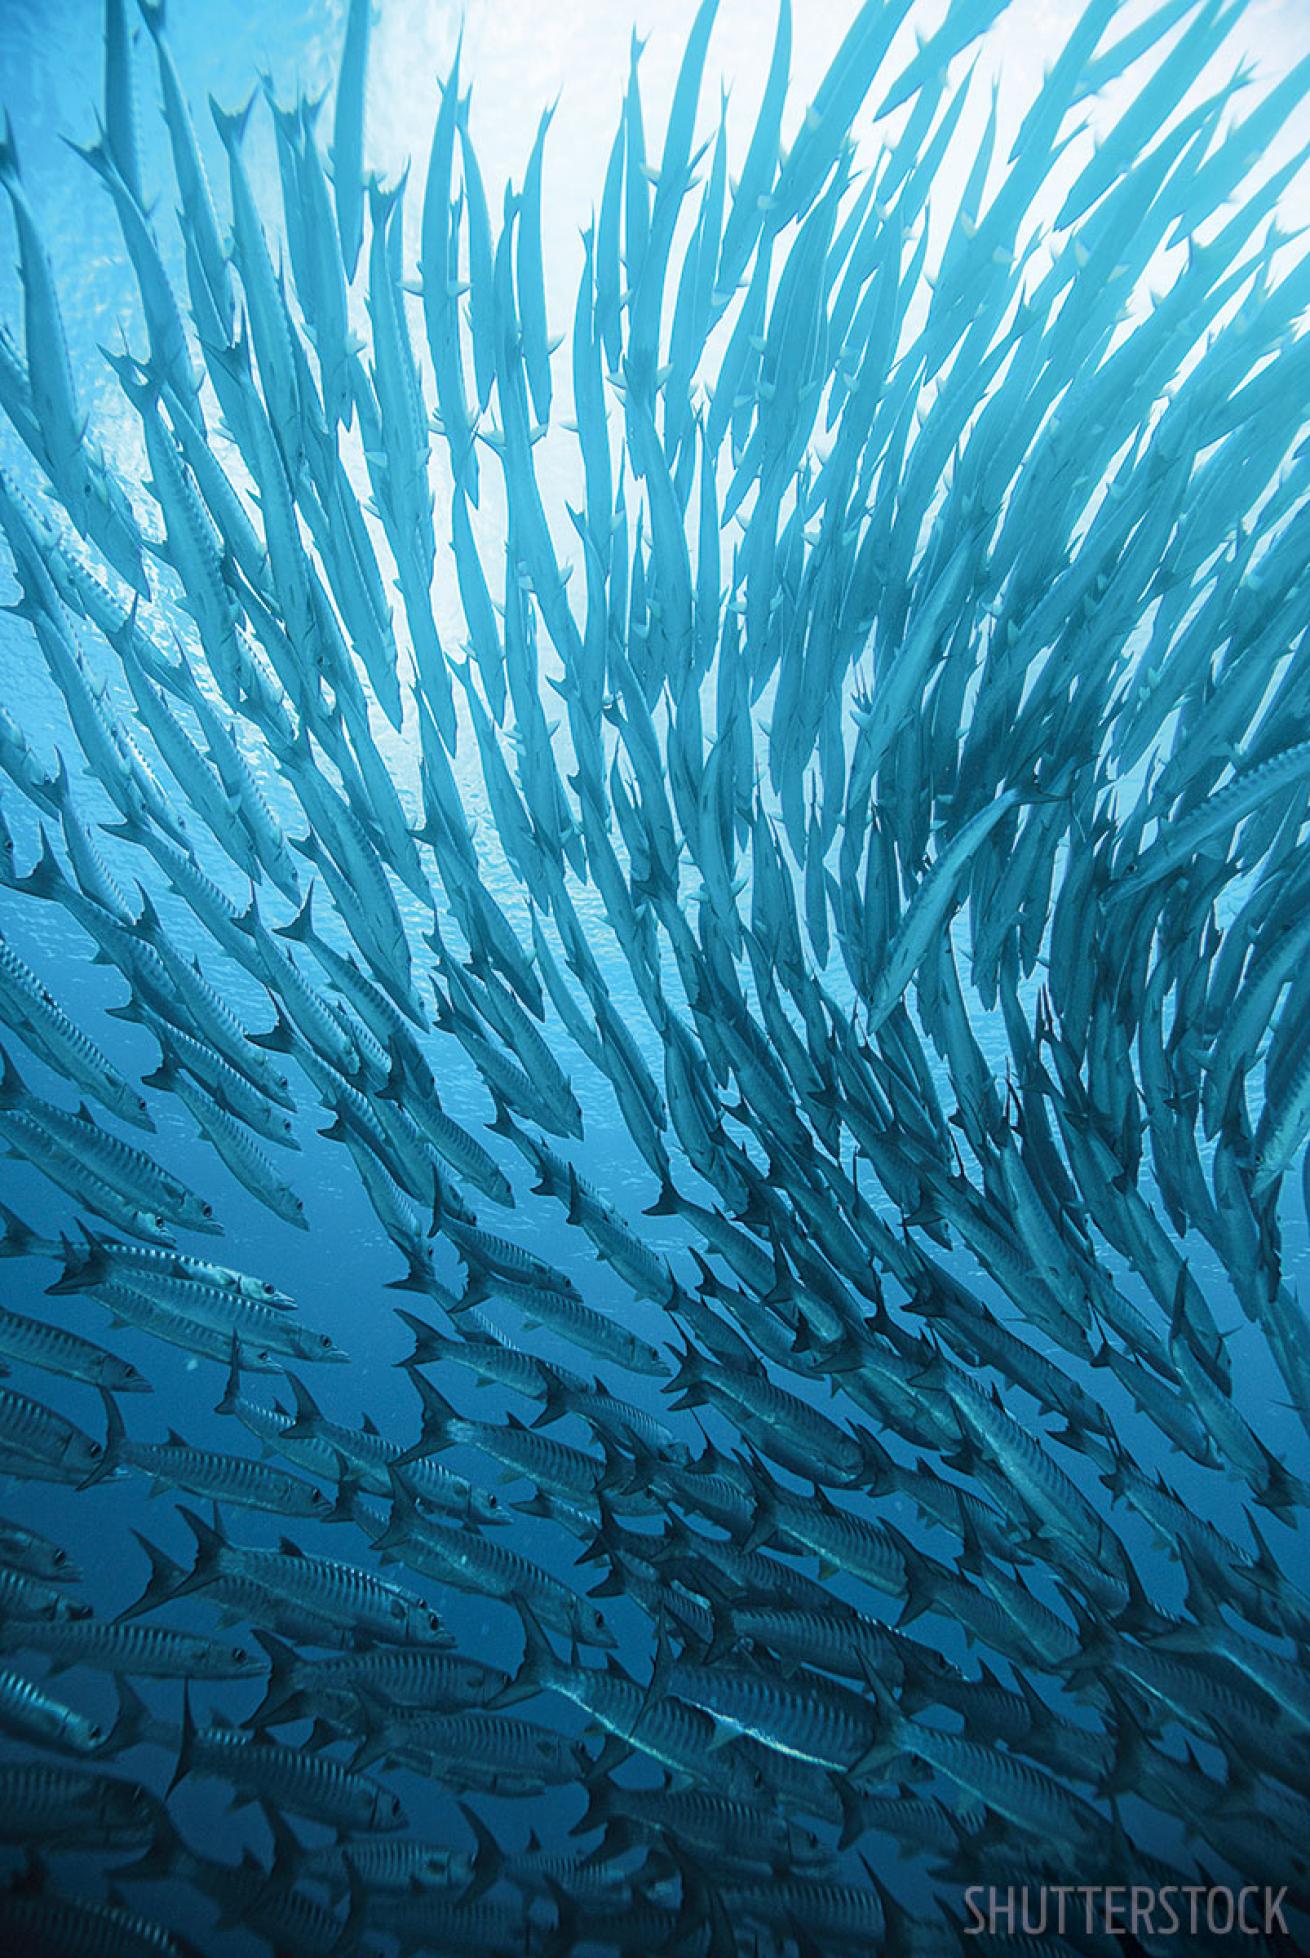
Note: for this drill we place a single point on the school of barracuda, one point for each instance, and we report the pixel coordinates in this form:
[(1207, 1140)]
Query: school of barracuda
[(902, 808)]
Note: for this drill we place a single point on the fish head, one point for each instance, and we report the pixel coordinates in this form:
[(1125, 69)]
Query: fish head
[(86, 1455), (263, 1289), (84, 1736), (439, 1869), (235, 1661), (806, 1847), (423, 1625), (322, 1348), (388, 1811), (590, 1628)]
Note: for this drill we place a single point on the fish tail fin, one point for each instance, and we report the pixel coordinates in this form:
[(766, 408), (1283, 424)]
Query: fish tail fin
[(488, 1860), (374, 1741), (134, 377), (301, 928), (437, 1415), (231, 123), (210, 1545), (162, 1584), (279, 1039), (428, 1342), (597, 1814), (538, 1663), (59, 785), (394, 1087), (724, 1637), (232, 1387), (621, 1837), (97, 155), (288, 1850), (309, 1415), (10, 173), (131, 1724), (920, 1593), (83, 1269), (1281, 1491), (46, 877), (477, 1290), (112, 1453), (504, 1124), (12, 1091), (1124, 1774), (345, 1504), (852, 1812), (404, 1511), (163, 1077), (147, 922), (889, 1724), (279, 1688), (667, 1204), (689, 1380), (418, 1274), (556, 1404), (186, 1745), (382, 200), (18, 1237)]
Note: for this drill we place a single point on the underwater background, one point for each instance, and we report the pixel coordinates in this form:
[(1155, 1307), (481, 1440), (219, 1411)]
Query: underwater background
[(852, 1221)]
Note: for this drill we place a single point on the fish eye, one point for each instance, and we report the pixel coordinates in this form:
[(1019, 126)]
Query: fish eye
[(60, 1559), (93, 1448), (434, 1623), (240, 1654), (325, 1339), (206, 1209), (395, 1805), (95, 1731)]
